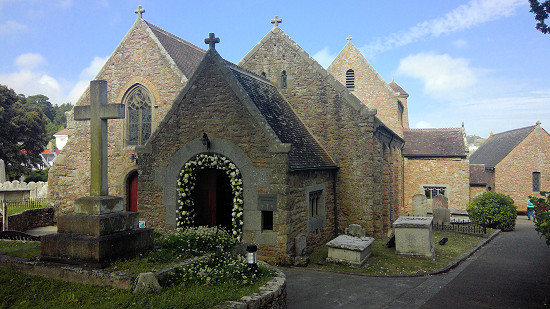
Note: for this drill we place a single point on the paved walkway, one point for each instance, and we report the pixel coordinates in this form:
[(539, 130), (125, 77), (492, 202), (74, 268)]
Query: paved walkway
[(40, 231), (512, 271)]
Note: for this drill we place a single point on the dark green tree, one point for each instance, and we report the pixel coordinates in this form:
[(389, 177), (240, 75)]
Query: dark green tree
[(541, 9), (44, 103), (22, 132)]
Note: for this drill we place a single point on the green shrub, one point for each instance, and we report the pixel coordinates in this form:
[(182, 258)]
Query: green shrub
[(542, 216), (495, 210)]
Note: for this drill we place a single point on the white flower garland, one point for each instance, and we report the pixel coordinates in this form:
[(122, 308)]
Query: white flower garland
[(186, 184)]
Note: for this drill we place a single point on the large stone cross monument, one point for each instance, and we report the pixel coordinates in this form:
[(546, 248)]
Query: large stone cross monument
[(99, 230)]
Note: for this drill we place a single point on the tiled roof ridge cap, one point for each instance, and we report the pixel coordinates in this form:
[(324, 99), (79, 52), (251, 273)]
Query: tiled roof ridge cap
[(432, 129), (175, 37), (509, 131)]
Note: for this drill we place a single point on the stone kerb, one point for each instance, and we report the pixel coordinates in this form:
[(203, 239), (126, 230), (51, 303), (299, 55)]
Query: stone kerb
[(349, 250), (413, 236)]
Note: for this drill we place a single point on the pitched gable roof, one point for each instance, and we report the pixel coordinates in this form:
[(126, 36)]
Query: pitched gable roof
[(498, 146), (186, 55), (350, 99), (446, 142), (305, 152), (397, 89), (478, 174)]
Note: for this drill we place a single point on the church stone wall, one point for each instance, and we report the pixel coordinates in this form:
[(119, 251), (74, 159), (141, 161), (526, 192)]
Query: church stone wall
[(211, 106), (343, 131), (514, 174), (136, 60), (370, 88), (298, 203), (452, 173)]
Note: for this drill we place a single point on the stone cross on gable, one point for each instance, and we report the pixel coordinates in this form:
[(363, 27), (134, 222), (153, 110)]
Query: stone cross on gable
[(211, 40), (98, 112), (139, 11), (348, 38), (276, 21)]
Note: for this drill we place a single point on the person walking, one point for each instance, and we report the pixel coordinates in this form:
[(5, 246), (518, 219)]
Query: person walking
[(530, 209)]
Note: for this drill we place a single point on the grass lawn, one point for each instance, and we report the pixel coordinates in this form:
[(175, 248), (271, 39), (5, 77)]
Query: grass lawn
[(25, 249), (12, 210), (384, 261), (19, 290)]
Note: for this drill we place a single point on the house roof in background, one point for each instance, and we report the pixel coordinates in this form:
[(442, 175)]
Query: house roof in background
[(445, 142)]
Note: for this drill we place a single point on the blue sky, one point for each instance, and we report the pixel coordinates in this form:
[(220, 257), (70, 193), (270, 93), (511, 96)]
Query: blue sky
[(481, 62)]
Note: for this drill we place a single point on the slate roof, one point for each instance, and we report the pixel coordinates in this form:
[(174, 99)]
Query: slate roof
[(478, 174), (498, 146), (186, 55), (396, 88), (305, 152), (447, 142)]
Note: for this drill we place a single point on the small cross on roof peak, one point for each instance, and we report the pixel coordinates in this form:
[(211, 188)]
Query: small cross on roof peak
[(349, 38), (139, 11), (211, 40), (276, 21)]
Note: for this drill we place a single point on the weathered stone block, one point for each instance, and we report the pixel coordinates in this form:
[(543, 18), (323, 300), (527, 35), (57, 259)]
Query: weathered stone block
[(349, 250), (98, 205), (97, 225), (413, 236)]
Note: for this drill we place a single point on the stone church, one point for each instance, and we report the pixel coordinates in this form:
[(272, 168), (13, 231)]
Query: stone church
[(272, 148)]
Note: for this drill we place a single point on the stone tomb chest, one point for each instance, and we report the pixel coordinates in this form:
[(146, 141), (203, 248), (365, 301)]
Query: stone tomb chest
[(349, 250), (413, 236)]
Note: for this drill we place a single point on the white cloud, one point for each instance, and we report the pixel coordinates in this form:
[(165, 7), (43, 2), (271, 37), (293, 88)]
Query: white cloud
[(29, 61), (444, 77), (463, 17), (422, 125), (324, 57), (30, 78), (11, 27), (460, 43)]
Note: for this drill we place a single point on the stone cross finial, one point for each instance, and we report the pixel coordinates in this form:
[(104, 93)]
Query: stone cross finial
[(211, 40), (276, 21), (348, 38), (98, 112), (139, 11)]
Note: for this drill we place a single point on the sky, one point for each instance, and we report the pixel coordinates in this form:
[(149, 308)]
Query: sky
[(481, 62)]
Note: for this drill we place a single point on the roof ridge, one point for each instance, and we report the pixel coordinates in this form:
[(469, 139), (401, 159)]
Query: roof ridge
[(175, 36), (513, 130), (431, 129), (245, 71)]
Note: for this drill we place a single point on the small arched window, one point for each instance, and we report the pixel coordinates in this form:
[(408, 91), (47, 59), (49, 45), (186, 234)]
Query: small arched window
[(350, 79), (283, 79), (138, 115)]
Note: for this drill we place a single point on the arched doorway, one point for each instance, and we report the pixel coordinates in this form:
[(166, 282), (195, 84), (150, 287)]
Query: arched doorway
[(131, 191), (213, 198)]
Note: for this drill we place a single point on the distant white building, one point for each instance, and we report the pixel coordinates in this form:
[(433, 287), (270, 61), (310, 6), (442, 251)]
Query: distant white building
[(61, 138)]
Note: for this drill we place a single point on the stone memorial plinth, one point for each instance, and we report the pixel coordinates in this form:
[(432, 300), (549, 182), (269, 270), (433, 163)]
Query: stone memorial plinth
[(99, 231), (95, 237), (413, 236), (349, 250)]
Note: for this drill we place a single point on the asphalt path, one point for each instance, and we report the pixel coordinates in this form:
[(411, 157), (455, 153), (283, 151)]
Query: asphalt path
[(511, 271)]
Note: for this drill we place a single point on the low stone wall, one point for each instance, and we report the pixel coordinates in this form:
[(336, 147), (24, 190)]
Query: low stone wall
[(271, 295), (30, 219), (36, 189)]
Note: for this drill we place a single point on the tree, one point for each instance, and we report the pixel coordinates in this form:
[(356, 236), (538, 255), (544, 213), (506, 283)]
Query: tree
[(43, 102), (541, 11), (22, 132)]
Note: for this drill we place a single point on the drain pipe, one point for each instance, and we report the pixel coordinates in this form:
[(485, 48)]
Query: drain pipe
[(335, 202)]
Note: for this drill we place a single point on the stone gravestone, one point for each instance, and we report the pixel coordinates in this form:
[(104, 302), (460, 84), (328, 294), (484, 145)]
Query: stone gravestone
[(440, 201), (98, 231), (442, 216), (419, 205), (300, 243), (413, 236), (355, 230), (2, 171)]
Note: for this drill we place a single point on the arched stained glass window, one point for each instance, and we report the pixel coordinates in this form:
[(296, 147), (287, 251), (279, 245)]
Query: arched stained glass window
[(350, 79), (138, 115)]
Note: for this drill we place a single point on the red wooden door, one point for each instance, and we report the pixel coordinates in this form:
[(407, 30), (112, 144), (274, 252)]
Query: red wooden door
[(132, 192), (214, 198)]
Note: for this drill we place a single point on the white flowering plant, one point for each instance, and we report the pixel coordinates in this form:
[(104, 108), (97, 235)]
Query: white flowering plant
[(186, 212)]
